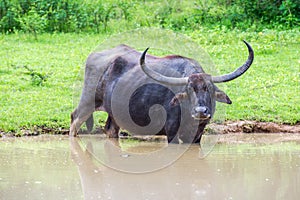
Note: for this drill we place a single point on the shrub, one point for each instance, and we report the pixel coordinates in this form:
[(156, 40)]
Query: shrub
[(32, 22), (87, 15)]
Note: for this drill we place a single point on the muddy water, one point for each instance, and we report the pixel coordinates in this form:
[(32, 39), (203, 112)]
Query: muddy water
[(251, 166)]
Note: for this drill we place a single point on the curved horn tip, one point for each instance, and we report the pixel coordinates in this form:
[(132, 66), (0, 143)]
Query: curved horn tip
[(249, 49), (248, 45), (144, 53), (245, 42), (142, 59)]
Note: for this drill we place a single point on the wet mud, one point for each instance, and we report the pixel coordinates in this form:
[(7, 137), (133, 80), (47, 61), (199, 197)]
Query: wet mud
[(212, 128), (253, 127)]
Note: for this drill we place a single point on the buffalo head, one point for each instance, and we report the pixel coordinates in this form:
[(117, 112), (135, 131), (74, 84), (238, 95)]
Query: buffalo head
[(200, 90)]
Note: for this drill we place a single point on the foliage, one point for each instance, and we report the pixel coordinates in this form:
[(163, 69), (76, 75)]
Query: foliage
[(32, 22), (37, 78), (37, 16), (276, 12)]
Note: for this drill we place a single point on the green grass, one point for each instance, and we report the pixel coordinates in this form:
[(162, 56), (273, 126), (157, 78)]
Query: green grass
[(60, 57), (269, 91)]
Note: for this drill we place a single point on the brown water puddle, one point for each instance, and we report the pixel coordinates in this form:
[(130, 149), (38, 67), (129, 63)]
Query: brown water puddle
[(242, 166)]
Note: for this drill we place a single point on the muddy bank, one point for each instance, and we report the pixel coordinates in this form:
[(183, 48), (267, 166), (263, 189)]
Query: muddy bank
[(35, 131), (213, 128), (252, 127)]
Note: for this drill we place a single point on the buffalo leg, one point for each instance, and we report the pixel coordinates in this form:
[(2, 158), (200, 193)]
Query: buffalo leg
[(83, 113), (198, 137), (172, 139), (199, 133), (87, 104), (90, 123), (111, 128), (171, 130)]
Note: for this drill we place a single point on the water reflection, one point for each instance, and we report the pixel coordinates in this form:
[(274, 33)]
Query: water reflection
[(58, 167), (180, 180), (229, 172)]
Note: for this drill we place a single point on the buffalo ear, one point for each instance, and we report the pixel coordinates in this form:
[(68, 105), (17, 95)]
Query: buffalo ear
[(177, 98), (222, 97)]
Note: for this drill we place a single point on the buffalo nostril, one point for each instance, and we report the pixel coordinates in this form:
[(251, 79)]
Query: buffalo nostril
[(201, 113), (201, 109)]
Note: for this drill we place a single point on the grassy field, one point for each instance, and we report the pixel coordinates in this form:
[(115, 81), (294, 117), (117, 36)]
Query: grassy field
[(37, 76)]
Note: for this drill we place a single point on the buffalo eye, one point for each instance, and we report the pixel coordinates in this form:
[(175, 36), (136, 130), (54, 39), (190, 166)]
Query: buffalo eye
[(208, 88), (190, 88)]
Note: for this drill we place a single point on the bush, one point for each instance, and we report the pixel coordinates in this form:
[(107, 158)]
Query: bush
[(8, 16), (102, 16), (276, 13), (32, 22)]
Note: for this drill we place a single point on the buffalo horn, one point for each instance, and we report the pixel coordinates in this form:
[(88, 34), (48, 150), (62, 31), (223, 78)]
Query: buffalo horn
[(159, 77), (239, 71)]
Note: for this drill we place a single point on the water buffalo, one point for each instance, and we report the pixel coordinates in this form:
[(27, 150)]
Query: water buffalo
[(134, 82)]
